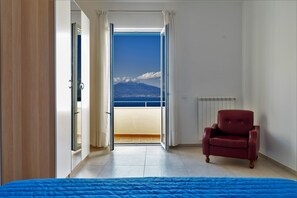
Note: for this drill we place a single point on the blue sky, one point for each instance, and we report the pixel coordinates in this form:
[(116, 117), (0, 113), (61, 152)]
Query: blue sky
[(137, 58)]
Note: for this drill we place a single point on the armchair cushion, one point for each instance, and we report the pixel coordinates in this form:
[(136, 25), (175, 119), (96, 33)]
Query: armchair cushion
[(235, 122), (229, 141)]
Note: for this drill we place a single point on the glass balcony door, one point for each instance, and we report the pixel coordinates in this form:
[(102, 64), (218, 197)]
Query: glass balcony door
[(111, 105), (165, 88)]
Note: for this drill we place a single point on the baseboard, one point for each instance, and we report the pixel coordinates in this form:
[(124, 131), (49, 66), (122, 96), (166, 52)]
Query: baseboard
[(278, 164), (188, 145), (78, 167)]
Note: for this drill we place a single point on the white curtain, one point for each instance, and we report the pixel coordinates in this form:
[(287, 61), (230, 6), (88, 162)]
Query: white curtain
[(169, 19), (100, 79)]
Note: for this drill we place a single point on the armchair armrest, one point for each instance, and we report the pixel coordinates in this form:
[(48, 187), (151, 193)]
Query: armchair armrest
[(253, 136), (215, 126), (208, 133), (257, 128), (254, 143)]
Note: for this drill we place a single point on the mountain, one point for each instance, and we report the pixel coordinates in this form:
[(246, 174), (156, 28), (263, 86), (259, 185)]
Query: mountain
[(134, 89)]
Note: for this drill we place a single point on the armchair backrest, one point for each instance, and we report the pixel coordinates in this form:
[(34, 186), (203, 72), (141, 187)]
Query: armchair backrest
[(235, 122)]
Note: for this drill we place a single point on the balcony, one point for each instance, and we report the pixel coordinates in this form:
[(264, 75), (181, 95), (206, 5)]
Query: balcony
[(137, 124)]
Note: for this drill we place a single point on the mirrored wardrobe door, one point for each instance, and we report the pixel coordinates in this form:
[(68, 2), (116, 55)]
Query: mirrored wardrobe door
[(76, 132), (76, 88)]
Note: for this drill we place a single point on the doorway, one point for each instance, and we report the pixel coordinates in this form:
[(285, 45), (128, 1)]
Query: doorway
[(163, 75), (137, 87)]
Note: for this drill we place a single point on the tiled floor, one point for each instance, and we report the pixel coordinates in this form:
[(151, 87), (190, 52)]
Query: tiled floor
[(151, 161)]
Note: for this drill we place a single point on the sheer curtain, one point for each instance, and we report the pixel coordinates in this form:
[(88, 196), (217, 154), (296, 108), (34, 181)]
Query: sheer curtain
[(169, 19), (100, 84)]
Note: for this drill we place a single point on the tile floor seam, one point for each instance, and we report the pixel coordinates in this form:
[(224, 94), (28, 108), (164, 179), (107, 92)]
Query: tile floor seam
[(103, 168), (187, 171), (144, 166), (98, 175)]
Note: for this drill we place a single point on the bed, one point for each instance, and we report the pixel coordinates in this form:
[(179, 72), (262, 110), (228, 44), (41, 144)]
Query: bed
[(153, 187)]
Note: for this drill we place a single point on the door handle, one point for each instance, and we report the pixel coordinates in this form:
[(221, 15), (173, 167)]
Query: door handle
[(82, 86), (70, 84), (108, 113)]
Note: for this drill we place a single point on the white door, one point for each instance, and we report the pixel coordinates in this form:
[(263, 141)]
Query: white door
[(111, 105), (165, 87), (85, 84), (63, 87)]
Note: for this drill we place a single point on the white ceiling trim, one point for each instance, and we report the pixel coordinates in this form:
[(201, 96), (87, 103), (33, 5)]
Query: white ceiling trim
[(156, 1)]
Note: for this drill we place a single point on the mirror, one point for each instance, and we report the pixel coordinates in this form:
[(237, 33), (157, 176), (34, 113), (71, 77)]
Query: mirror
[(76, 91), (76, 106)]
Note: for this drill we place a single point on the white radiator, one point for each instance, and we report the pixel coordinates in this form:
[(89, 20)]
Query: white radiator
[(208, 108)]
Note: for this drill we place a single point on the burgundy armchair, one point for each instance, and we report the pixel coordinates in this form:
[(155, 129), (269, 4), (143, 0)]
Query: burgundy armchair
[(233, 136)]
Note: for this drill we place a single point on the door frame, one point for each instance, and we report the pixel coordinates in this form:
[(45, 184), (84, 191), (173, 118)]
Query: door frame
[(164, 30)]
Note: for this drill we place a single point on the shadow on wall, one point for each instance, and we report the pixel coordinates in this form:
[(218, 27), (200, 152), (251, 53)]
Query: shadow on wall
[(263, 134), (271, 144)]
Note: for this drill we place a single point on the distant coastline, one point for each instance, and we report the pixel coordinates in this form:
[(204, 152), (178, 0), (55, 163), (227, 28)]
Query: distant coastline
[(134, 94)]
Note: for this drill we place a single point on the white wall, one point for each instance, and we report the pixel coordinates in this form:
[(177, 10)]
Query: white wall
[(208, 52), (269, 75), (76, 17)]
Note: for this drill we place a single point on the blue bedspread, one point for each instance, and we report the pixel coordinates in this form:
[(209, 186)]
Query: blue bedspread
[(153, 187)]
